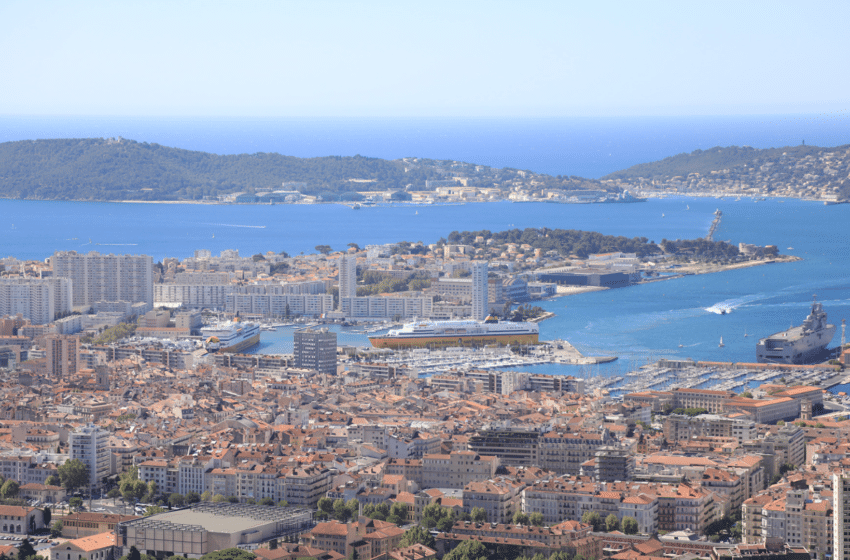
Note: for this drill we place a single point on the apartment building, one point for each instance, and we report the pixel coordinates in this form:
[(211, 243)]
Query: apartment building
[(387, 307), (564, 452), (679, 427), (63, 355), (712, 401), (38, 299), (90, 444), (95, 277), (512, 447), (500, 498), (841, 515), (315, 349), (456, 469)]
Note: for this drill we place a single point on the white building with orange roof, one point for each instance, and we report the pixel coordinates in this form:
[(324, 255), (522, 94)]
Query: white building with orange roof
[(95, 547)]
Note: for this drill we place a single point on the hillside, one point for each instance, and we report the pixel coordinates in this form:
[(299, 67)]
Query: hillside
[(798, 171), (121, 169)]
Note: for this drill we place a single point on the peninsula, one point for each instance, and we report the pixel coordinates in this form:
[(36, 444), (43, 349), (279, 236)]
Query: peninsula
[(118, 169)]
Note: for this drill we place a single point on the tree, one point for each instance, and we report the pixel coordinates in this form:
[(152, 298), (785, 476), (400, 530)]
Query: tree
[(417, 534), (229, 554), (536, 519), (323, 249), (52, 480), (612, 523), (326, 505), (354, 246), (266, 501), (398, 511), (113, 493), (176, 500), (25, 549), (520, 518), (56, 528), (134, 554), (192, 497), (47, 515), (258, 257), (630, 525), (206, 496), (479, 515), (153, 510), (218, 498), (353, 507), (468, 550), (73, 474), (10, 489), (152, 491), (76, 503), (594, 519), (340, 512)]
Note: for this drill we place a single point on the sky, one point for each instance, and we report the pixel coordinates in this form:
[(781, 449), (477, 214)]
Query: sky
[(432, 58)]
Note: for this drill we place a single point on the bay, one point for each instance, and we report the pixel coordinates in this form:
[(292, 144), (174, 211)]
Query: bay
[(639, 324)]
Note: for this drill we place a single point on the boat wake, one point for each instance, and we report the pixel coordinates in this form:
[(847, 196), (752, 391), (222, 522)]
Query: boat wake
[(729, 305), (234, 225)]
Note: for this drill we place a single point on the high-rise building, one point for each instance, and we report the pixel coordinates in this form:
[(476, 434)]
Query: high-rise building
[(347, 276), (63, 355), (37, 299), (315, 349), (90, 445), (97, 277), (841, 516), (479, 290)]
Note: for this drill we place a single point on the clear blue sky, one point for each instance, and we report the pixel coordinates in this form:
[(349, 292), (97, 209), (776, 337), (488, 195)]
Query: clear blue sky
[(440, 58)]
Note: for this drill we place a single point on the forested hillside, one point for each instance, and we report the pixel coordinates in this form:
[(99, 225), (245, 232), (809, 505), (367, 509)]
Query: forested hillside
[(106, 169)]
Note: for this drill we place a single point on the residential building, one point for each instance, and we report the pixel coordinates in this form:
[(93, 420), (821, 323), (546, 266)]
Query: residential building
[(479, 290), (63, 355), (90, 444), (347, 277), (315, 349), (38, 299), (97, 277)]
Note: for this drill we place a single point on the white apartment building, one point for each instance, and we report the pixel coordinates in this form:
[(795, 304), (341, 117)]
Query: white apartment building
[(379, 307), (90, 444), (841, 516), (37, 299), (347, 276), (479, 290), (97, 277)]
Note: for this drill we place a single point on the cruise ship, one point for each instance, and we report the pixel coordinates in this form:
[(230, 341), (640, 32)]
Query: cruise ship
[(800, 344), (230, 336), (439, 334)]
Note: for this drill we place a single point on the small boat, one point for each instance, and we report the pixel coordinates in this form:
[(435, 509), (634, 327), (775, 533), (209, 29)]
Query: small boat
[(721, 345), (790, 249), (662, 215), (745, 334)]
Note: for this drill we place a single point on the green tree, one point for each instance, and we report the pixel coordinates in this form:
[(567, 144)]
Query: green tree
[(56, 528), (153, 510), (229, 554), (417, 534), (219, 499), (10, 489), (398, 513), (612, 523), (593, 519), (52, 480), (323, 249), (134, 554), (468, 550), (192, 497), (176, 500), (47, 515), (630, 525), (266, 501), (73, 474), (479, 515), (536, 519), (520, 518), (76, 503), (206, 496), (152, 491), (340, 512), (25, 549)]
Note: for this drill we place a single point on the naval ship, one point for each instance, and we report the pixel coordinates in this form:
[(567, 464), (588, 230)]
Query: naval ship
[(797, 345)]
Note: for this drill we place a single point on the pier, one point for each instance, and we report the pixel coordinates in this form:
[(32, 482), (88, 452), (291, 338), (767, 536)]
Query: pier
[(716, 222)]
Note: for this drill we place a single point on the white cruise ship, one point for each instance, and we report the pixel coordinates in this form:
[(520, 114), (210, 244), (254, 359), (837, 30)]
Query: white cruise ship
[(437, 334), (230, 336)]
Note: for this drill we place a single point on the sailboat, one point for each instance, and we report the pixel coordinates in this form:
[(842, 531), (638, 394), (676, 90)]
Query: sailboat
[(745, 333), (721, 345)]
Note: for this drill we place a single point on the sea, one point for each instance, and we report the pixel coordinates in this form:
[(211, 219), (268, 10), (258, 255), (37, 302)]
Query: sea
[(674, 318)]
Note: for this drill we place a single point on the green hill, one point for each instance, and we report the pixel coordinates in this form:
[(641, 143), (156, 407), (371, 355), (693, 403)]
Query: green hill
[(106, 169)]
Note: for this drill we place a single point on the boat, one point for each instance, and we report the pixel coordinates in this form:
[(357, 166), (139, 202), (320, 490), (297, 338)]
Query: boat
[(721, 345), (439, 334), (798, 345), (230, 336), (745, 333), (355, 206)]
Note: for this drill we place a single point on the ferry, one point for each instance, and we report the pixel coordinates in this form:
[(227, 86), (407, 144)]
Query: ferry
[(440, 334), (230, 336)]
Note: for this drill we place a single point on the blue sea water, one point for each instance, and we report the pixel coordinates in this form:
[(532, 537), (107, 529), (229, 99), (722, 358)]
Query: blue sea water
[(638, 324)]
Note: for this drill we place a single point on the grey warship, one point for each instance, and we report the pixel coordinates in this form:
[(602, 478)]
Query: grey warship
[(800, 344)]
